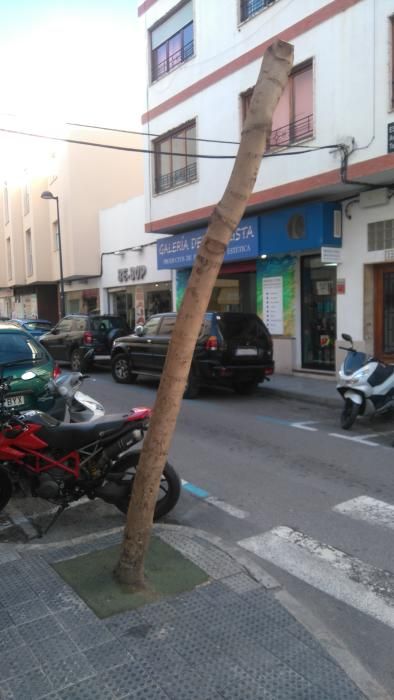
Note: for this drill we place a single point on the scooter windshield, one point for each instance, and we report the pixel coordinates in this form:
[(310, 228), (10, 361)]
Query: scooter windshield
[(353, 361)]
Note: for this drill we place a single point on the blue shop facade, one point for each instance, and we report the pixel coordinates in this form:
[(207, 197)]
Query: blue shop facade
[(282, 265)]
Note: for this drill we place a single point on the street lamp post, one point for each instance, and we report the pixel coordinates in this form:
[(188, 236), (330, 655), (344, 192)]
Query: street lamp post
[(49, 195)]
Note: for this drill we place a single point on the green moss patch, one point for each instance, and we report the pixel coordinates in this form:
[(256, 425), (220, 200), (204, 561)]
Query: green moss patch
[(167, 573)]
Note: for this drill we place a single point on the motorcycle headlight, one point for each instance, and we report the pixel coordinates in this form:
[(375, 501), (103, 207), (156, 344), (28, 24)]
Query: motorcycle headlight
[(359, 376)]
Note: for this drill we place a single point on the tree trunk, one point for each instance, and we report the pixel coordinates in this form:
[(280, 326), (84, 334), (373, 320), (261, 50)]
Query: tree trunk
[(276, 66)]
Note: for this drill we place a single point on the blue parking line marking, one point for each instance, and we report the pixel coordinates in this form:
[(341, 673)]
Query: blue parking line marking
[(195, 490)]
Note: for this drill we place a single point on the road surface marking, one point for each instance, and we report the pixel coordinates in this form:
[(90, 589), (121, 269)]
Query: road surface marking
[(362, 440), (369, 509), (217, 502), (231, 510), (304, 425), (336, 573)]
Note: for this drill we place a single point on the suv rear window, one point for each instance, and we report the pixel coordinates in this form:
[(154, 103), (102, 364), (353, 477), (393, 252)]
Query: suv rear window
[(233, 325), (109, 322)]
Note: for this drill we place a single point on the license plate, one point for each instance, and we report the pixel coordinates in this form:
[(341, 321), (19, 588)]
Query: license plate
[(245, 351), (15, 401)]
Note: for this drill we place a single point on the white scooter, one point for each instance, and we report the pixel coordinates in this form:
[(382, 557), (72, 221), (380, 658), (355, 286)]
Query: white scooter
[(80, 407), (363, 378)]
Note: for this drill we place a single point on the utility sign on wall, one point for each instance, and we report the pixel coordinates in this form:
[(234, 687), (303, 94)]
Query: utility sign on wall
[(390, 137)]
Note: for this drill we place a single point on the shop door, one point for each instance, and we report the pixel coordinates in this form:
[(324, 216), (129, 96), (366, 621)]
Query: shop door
[(384, 313), (318, 314)]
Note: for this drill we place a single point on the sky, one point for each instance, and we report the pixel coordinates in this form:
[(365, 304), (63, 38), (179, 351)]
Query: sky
[(70, 61)]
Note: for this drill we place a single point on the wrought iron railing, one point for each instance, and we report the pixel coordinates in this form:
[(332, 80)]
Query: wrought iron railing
[(295, 131), (177, 177), (173, 60), (250, 7)]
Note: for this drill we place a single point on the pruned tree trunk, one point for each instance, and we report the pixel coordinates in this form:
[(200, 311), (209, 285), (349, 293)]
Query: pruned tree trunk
[(275, 69)]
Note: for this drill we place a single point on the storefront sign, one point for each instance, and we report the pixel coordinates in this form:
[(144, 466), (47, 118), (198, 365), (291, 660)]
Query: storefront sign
[(390, 137), (330, 254), (273, 304), (131, 274), (180, 251)]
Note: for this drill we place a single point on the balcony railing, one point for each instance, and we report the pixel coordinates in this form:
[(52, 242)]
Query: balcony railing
[(251, 7), (295, 131), (173, 60), (177, 177)]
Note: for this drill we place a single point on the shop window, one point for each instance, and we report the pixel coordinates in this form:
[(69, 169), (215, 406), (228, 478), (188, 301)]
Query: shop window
[(318, 289), (293, 116), (158, 302), (252, 7), (175, 158), (172, 41)]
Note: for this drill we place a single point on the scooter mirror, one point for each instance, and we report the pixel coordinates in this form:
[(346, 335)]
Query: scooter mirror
[(347, 337)]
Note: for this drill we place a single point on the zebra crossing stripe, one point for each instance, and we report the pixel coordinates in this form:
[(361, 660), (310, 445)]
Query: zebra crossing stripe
[(368, 509), (330, 570)]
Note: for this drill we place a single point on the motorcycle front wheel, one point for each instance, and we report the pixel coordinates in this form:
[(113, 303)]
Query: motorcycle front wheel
[(169, 491), (349, 414)]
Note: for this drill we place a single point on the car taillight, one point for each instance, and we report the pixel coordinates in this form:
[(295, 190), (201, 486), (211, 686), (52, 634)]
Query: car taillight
[(87, 338), (211, 343), (56, 372)]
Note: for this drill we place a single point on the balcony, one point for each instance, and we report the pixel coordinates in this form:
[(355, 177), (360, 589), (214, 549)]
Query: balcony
[(291, 133), (251, 7), (176, 178), (173, 60)]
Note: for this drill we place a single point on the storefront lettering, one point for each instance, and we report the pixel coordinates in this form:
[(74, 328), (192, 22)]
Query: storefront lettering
[(131, 274), (180, 250)]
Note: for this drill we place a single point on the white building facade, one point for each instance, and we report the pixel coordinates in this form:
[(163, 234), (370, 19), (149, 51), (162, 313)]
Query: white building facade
[(131, 285), (312, 255)]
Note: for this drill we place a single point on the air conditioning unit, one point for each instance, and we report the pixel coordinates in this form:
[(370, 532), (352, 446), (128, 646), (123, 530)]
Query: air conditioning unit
[(374, 198)]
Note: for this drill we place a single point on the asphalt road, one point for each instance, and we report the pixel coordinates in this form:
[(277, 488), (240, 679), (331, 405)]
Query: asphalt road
[(314, 504)]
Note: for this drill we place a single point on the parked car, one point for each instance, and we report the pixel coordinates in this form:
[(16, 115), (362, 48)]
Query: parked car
[(233, 349), (32, 366), (35, 326), (74, 335)]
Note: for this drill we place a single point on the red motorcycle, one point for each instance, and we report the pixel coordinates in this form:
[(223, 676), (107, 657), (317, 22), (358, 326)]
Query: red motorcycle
[(63, 462)]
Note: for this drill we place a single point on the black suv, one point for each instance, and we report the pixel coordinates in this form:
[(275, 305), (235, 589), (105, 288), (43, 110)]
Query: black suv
[(233, 349), (76, 334)]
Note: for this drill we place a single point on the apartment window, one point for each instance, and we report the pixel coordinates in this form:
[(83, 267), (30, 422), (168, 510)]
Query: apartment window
[(9, 258), (175, 158), (392, 61), (29, 254), (26, 198), (252, 7), (293, 116), (172, 41), (55, 231), (6, 204)]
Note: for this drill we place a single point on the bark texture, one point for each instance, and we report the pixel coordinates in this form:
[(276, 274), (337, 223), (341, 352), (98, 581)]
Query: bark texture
[(274, 72)]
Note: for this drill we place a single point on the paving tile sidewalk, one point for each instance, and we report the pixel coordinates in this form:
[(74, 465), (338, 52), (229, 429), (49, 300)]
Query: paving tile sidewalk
[(229, 639), (305, 387)]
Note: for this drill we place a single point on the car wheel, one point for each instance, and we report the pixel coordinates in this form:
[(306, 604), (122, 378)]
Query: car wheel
[(121, 370), (192, 388), (245, 388), (76, 360)]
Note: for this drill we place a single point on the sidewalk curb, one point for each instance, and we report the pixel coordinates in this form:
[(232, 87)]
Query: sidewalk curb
[(334, 402), (332, 645)]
